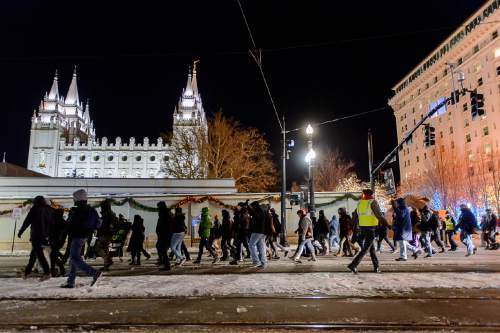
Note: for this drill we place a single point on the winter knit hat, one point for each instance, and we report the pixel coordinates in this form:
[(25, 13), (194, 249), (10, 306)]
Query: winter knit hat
[(204, 210), (80, 195)]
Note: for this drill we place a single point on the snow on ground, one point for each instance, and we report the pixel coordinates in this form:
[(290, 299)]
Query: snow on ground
[(331, 284)]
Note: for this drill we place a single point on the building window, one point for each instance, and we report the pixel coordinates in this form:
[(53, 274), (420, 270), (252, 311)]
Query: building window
[(459, 61), (468, 138), (406, 127), (425, 156), (466, 123), (497, 52), (166, 158), (465, 107), (471, 171), (96, 158), (441, 134), (494, 34), (138, 158), (451, 130), (418, 159), (82, 158), (498, 70), (486, 131), (152, 158), (480, 81), (476, 49), (452, 144), (124, 158), (110, 158), (68, 158), (487, 149)]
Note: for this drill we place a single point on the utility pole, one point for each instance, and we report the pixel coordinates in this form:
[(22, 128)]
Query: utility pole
[(283, 185), (370, 160)]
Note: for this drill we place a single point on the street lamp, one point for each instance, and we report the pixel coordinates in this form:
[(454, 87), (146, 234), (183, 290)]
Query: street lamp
[(310, 156)]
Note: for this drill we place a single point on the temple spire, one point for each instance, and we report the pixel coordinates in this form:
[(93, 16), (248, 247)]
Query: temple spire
[(194, 82), (189, 88), (72, 96), (54, 90)]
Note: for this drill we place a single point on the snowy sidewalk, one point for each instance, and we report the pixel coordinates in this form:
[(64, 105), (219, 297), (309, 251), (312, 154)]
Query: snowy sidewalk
[(319, 284)]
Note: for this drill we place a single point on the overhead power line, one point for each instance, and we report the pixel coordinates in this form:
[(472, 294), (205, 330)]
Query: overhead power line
[(257, 56), (341, 118)]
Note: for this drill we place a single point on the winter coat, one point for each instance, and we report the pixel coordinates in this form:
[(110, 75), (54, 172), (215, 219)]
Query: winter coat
[(305, 226), (323, 225), (269, 226), (78, 218), (467, 221), (136, 241), (59, 230), (109, 224), (258, 221), (179, 223), (334, 226), (40, 219), (163, 228), (425, 220), (225, 228), (276, 224), (205, 224), (402, 223), (345, 223)]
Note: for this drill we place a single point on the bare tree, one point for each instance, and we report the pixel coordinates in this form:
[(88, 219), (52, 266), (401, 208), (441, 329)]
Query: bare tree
[(188, 154), (331, 170), (227, 150)]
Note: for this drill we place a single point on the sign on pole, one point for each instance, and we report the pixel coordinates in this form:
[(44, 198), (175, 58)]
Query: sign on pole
[(16, 215), (389, 181)]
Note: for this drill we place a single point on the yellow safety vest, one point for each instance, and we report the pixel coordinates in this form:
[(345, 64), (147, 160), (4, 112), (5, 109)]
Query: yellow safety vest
[(365, 214), (449, 224)]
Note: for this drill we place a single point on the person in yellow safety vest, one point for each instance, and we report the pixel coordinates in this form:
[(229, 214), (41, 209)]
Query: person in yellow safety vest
[(450, 223), (369, 217)]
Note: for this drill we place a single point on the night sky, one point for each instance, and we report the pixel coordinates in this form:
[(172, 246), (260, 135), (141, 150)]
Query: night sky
[(323, 59)]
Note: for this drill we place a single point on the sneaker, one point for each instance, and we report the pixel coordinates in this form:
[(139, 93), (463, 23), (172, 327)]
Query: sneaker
[(286, 253), (25, 276), (312, 259), (233, 262), (428, 256), (181, 262), (97, 275), (352, 268), (453, 249), (165, 268), (261, 266), (276, 258), (415, 255), (296, 260), (377, 270), (442, 250), (67, 286), (400, 259), (197, 262), (216, 260), (474, 251), (44, 277)]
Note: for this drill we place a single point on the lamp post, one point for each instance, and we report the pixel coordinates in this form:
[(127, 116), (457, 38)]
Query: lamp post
[(310, 156)]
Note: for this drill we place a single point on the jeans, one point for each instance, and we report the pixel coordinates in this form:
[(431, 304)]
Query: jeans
[(403, 245), (334, 241), (425, 237), (258, 244), (367, 236), (304, 242), (76, 261), (176, 243), (37, 253), (467, 240)]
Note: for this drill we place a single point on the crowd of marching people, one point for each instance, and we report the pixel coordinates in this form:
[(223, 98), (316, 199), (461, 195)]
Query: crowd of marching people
[(250, 231)]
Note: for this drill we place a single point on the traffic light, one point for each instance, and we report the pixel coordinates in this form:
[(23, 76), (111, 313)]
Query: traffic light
[(476, 104), (455, 97), (429, 136)]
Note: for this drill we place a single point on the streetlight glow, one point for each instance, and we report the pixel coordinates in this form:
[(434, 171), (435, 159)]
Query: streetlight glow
[(309, 129), (311, 155)]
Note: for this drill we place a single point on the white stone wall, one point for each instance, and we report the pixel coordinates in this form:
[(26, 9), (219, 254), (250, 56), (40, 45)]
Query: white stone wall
[(113, 160)]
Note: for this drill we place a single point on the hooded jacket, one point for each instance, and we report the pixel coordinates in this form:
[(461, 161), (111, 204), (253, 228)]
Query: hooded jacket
[(205, 223)]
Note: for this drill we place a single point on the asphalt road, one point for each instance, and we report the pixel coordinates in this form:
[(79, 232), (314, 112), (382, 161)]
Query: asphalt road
[(429, 310)]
